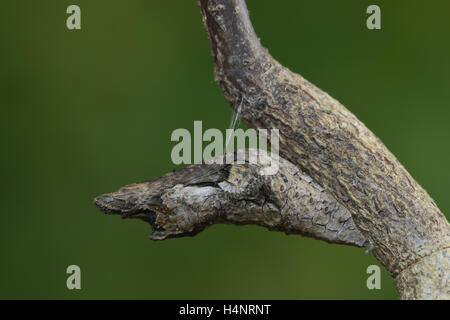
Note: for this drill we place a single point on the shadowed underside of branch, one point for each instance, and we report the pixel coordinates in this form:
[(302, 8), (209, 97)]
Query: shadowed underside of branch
[(337, 181)]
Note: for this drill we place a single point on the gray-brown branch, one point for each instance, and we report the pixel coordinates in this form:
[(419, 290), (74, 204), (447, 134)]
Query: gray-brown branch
[(323, 141), (186, 201)]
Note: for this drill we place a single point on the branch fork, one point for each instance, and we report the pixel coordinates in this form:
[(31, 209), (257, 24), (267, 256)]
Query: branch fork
[(336, 182)]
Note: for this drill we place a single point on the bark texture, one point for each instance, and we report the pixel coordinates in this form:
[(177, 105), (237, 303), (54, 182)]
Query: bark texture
[(186, 201), (350, 171)]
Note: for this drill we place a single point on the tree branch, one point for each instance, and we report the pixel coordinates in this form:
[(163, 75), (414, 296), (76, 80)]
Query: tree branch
[(186, 201), (321, 136), (321, 140)]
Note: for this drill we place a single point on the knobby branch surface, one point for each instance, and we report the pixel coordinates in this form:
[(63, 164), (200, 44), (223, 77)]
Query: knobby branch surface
[(186, 201), (337, 181)]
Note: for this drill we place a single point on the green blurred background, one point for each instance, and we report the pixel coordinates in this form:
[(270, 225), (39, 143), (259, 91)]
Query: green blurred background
[(85, 112)]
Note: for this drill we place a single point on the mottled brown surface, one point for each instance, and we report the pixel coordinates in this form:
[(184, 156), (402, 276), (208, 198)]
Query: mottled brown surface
[(319, 138), (328, 141), (186, 201)]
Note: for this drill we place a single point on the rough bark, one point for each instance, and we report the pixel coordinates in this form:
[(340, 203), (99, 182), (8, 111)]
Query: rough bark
[(319, 139), (186, 201)]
